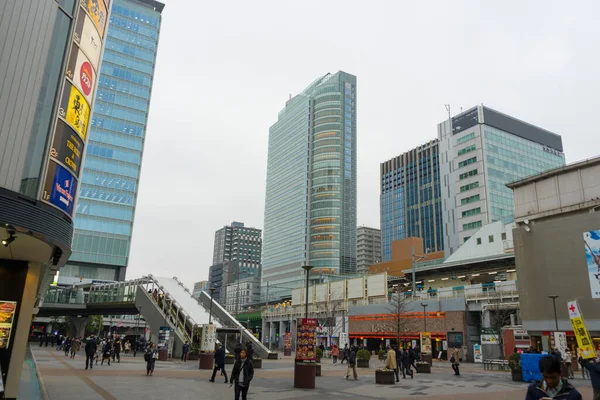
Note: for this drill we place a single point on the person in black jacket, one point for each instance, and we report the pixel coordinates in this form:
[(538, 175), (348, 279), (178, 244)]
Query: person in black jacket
[(552, 384), (237, 349), (352, 363), (594, 368), (219, 363), (345, 353), (243, 372), (250, 350), (91, 346), (406, 361)]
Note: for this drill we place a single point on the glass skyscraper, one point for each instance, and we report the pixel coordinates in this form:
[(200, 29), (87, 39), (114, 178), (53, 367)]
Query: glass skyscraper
[(481, 150), (410, 199), (109, 184), (310, 205)]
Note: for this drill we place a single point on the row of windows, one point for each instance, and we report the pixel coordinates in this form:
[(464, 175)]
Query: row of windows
[(107, 181), (465, 138), (124, 87), (467, 174), (133, 26), (122, 100), (466, 150), (105, 225), (128, 127), (86, 243), (128, 62), (116, 139), (109, 109), (136, 15), (112, 196), (133, 38), (140, 79), (472, 225), (114, 154), (468, 161), (469, 186), (470, 199), (471, 212), (125, 48), (112, 167), (98, 209)]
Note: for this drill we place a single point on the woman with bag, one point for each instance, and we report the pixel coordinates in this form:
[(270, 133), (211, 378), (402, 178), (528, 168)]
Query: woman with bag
[(150, 357), (242, 374), (455, 364)]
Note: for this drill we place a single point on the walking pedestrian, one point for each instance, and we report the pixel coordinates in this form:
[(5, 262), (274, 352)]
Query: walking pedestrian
[(455, 364), (106, 352), (352, 363), (117, 350), (345, 353), (413, 357), (585, 373), (568, 358), (390, 362), (91, 346), (184, 351), (250, 350), (237, 350), (150, 357), (406, 365), (594, 372), (219, 363), (335, 353), (552, 385), (243, 372)]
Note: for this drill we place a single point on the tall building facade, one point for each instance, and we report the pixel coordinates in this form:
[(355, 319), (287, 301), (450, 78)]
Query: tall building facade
[(310, 204), (481, 150), (410, 199), (49, 55), (110, 180), (368, 248), (199, 287)]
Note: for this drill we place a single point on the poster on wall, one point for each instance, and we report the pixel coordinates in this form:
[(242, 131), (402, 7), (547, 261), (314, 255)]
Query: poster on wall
[(306, 340), (81, 73), (7, 316), (88, 39), (477, 356), (592, 257), (59, 188), (426, 342)]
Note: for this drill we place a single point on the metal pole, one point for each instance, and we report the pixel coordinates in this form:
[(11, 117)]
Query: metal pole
[(137, 332), (307, 268), (414, 271), (424, 316), (212, 291), (554, 297)]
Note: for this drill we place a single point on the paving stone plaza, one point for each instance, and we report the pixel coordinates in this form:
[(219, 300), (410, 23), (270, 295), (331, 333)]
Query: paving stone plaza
[(66, 379)]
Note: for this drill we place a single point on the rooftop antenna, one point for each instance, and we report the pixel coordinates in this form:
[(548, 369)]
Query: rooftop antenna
[(290, 96), (448, 109)]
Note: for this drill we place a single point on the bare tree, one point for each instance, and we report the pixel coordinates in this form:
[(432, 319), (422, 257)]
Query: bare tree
[(397, 307), (499, 318), (327, 317)]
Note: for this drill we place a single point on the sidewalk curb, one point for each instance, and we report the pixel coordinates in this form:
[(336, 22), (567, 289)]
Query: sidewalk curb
[(43, 389)]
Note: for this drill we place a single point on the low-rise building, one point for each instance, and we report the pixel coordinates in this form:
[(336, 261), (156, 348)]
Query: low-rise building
[(368, 248)]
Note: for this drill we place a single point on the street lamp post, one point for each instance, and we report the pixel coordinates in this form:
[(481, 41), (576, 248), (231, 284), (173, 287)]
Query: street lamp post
[(554, 297), (212, 291), (307, 268), (137, 332), (424, 316)]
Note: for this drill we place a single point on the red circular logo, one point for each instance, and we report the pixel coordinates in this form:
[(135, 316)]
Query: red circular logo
[(85, 77)]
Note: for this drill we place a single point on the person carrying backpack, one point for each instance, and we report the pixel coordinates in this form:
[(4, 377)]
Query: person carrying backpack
[(150, 356)]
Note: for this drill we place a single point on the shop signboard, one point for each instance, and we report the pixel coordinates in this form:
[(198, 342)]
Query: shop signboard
[(67, 147), (163, 336), (426, 342), (477, 356), (80, 71), (586, 346), (287, 341), (209, 338), (7, 316), (306, 340), (88, 38), (59, 188), (98, 13), (560, 341), (343, 339), (75, 109)]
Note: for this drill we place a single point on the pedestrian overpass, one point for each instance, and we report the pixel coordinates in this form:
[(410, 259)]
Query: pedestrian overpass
[(161, 301)]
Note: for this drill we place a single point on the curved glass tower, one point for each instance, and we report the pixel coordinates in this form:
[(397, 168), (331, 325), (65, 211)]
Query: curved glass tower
[(310, 207)]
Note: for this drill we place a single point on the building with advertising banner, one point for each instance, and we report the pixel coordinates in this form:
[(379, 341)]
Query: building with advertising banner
[(310, 202), (557, 250), (49, 66), (109, 181)]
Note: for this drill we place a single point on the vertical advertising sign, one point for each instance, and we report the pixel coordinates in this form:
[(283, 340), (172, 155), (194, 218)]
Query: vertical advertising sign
[(209, 338), (592, 258), (586, 346), (343, 339), (7, 316), (63, 165), (426, 342), (478, 358), (306, 340), (560, 341)]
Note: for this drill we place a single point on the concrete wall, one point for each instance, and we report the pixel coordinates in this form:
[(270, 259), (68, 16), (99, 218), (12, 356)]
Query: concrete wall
[(551, 260)]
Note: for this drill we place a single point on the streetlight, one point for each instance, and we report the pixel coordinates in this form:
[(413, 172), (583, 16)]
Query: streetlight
[(211, 290), (137, 332), (554, 297), (424, 316), (307, 268)]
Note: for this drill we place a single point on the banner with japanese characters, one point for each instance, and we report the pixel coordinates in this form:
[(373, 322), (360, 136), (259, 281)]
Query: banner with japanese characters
[(586, 346)]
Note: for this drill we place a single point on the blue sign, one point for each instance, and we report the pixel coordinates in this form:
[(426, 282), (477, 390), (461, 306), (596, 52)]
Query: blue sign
[(60, 187)]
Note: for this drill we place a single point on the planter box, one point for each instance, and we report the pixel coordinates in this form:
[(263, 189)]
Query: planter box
[(517, 376), (382, 357), (362, 363), (192, 356), (229, 360), (385, 377), (423, 368), (318, 373), (257, 363)]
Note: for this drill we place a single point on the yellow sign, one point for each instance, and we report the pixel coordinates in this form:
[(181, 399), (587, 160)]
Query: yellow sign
[(586, 346), (426, 342), (97, 11), (78, 112)]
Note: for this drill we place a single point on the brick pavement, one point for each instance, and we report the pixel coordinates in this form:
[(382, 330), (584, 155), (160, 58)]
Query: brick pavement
[(67, 379)]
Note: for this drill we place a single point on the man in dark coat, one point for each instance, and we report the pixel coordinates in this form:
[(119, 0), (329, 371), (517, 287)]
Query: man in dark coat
[(250, 350), (406, 362), (237, 350), (594, 368), (552, 384), (345, 353), (219, 363), (91, 346)]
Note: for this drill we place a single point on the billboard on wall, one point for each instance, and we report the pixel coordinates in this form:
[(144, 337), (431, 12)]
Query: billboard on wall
[(98, 13), (67, 147), (377, 285), (75, 109), (59, 188), (356, 288), (80, 70), (592, 258), (88, 38), (322, 292), (338, 290)]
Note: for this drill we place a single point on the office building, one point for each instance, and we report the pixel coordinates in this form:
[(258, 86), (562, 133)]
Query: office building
[(199, 287), (310, 203), (50, 54), (237, 255), (242, 294), (481, 150), (410, 199), (368, 248), (110, 179)]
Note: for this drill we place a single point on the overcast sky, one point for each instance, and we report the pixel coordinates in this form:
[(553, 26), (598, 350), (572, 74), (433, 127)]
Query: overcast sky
[(226, 68)]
